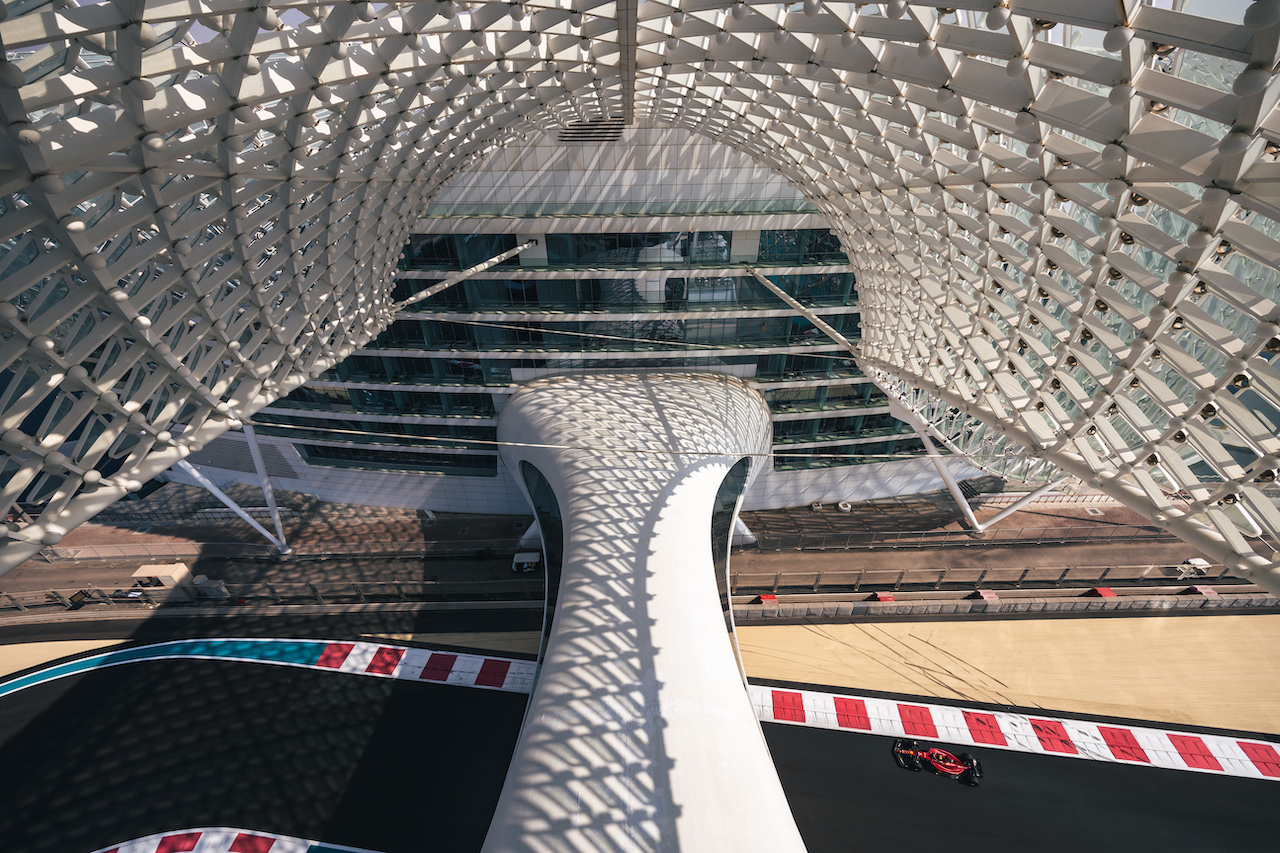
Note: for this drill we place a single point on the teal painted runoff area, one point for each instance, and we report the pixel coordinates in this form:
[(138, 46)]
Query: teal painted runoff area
[(297, 652)]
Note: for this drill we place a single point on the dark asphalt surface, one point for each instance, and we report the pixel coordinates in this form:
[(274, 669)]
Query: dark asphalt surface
[(847, 793), (395, 766), (121, 753)]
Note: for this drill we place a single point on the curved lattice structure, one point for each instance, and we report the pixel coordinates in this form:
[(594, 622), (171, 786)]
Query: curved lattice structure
[(1062, 216)]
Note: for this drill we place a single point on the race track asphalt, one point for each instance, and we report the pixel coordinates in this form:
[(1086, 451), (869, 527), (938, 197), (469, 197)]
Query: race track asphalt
[(132, 750), (847, 794), (399, 766)]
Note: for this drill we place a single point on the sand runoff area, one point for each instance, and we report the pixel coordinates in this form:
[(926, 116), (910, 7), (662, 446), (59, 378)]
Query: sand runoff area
[(1218, 671), (19, 656)]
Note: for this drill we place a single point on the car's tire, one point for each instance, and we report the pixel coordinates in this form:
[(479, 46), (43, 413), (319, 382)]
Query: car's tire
[(910, 760), (967, 758)]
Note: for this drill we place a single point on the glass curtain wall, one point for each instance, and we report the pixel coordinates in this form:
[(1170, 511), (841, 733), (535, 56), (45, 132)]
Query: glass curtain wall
[(433, 382)]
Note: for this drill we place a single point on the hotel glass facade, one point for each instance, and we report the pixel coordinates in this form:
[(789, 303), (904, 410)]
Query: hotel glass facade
[(425, 394)]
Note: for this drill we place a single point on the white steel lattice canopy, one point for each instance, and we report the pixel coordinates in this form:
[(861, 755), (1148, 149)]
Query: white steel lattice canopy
[(1064, 217)]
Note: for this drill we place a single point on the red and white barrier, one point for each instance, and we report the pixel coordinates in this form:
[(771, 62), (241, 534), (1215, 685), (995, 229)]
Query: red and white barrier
[(1155, 747), (1020, 732), (225, 840), (414, 664), (359, 658)]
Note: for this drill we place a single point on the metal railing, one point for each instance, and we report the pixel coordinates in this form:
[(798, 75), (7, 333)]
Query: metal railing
[(1039, 577), (306, 592), (363, 592), (940, 538), (460, 548), (159, 551), (1155, 602), (211, 515), (530, 589)]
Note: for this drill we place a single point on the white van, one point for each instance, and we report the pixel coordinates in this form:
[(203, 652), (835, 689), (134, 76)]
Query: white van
[(526, 561), (1194, 567)]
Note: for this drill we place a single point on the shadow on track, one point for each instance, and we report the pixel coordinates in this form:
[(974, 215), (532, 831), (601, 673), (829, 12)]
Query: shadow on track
[(120, 753)]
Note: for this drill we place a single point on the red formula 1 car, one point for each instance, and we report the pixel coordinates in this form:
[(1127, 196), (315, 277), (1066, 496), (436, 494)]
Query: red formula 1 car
[(911, 756)]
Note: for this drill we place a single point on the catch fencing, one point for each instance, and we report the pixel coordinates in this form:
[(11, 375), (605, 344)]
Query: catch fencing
[(276, 593), (1039, 577), (872, 539), (530, 588), (161, 551)]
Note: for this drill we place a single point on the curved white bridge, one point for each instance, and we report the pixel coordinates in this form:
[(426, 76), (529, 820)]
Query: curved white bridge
[(640, 734)]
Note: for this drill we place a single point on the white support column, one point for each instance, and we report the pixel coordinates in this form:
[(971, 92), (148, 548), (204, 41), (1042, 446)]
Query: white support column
[(945, 473), (267, 493), (462, 275), (917, 423), (25, 544), (807, 313), (1022, 501), (628, 26), (195, 474), (896, 409)]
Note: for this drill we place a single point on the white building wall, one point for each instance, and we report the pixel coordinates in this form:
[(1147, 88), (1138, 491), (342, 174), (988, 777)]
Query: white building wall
[(650, 166), (500, 495), (781, 489), (404, 490)]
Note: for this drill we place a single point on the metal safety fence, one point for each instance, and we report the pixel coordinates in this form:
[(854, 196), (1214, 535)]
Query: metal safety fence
[(277, 593), (160, 551), (531, 589), (864, 540), (869, 539), (1157, 604), (1044, 577)]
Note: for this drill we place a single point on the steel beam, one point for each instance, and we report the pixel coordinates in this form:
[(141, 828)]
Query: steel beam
[(628, 24), (256, 453), (901, 414), (806, 312), (193, 472), (1022, 501), (462, 275)]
